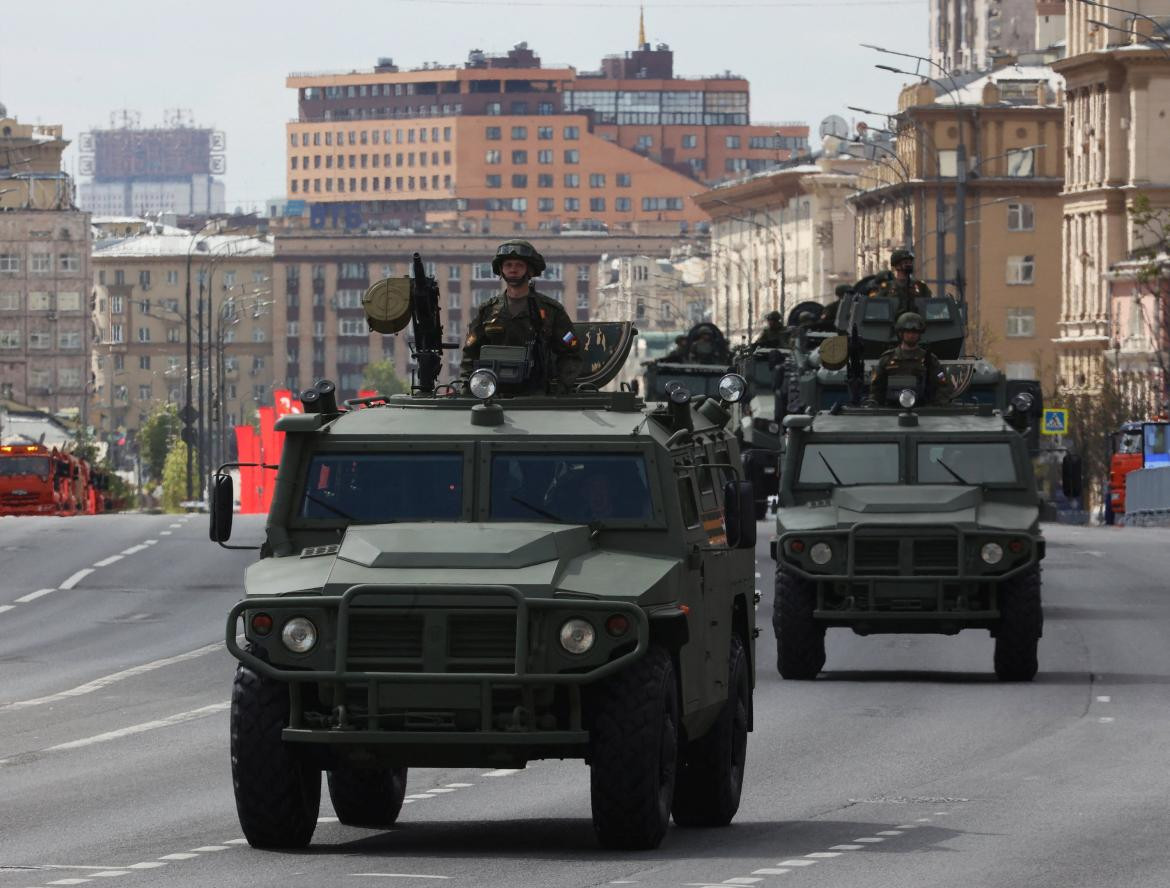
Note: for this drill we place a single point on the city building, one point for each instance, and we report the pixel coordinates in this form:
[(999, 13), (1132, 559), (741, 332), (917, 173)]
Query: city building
[(504, 137), (972, 35), (168, 169), (1117, 90), (997, 147), (319, 279), (44, 273), (142, 325), (780, 238)]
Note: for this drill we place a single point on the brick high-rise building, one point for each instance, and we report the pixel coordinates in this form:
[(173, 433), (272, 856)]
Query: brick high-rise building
[(44, 273), (507, 138)]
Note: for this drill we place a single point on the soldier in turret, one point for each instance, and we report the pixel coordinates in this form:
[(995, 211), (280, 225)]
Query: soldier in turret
[(908, 365), (520, 316), (774, 335), (900, 283)]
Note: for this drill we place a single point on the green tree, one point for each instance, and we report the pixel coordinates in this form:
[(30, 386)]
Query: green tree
[(157, 437), (382, 378), (174, 478)]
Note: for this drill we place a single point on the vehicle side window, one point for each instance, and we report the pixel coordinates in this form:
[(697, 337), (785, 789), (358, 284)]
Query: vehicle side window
[(878, 309), (686, 496)]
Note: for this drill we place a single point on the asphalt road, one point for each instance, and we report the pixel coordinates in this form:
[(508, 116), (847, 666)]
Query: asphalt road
[(905, 764)]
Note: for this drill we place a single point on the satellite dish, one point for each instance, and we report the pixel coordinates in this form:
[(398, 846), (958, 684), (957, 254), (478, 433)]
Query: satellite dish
[(835, 125)]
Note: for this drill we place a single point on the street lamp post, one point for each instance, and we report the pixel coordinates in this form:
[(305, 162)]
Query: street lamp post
[(188, 407), (783, 251)]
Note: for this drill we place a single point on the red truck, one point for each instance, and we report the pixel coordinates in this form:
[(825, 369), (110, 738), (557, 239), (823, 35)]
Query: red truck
[(1134, 446), (39, 480)]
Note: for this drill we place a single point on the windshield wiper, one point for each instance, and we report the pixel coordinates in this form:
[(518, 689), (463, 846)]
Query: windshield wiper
[(539, 511), (325, 505), (821, 454), (954, 474)]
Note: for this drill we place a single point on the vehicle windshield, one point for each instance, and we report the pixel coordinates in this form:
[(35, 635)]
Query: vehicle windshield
[(831, 464), (570, 488), (376, 488), (966, 462), (24, 465)]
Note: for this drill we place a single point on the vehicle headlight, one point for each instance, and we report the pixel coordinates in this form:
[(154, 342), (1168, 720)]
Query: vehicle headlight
[(774, 428), (991, 553), (907, 398), (732, 387), (483, 384), (578, 636), (299, 635), (820, 553)]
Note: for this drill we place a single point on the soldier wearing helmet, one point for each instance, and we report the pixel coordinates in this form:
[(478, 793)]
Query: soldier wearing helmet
[(828, 319), (909, 366), (520, 316), (774, 335), (900, 283)]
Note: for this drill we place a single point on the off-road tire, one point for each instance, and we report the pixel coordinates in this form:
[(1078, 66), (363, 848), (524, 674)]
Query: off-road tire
[(634, 722), (369, 797), (278, 793), (1021, 623), (710, 776), (800, 641)]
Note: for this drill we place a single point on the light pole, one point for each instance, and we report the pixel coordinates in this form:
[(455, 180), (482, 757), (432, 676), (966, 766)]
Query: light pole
[(1132, 12), (228, 314), (778, 228), (188, 409)]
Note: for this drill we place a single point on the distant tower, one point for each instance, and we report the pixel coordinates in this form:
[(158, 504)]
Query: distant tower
[(642, 27)]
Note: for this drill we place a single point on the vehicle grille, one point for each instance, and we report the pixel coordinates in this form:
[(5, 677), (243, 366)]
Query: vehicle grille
[(388, 640), (936, 556), (876, 555)]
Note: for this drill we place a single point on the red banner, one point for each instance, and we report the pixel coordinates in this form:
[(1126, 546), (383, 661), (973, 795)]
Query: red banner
[(285, 403), (248, 450), (270, 454)]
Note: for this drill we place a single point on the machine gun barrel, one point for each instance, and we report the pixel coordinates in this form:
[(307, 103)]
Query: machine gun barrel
[(855, 367), (428, 329)]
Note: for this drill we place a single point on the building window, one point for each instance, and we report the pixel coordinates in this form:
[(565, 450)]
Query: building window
[(116, 334), (172, 277), (519, 180), (622, 204), (492, 134), (545, 156), (492, 156), (172, 334), (519, 133), (572, 204), (597, 204), (948, 163), (294, 328), (597, 180), (545, 204), (572, 132), (9, 262), (482, 271), (71, 339), (1021, 322), (9, 301), (1021, 217), (1021, 164), (453, 272), (144, 334), (519, 157), (662, 203), (544, 180), (645, 143), (494, 180), (544, 133), (731, 141), (690, 140), (1021, 269), (492, 109), (623, 180), (116, 305), (572, 180), (572, 155), (42, 263), (9, 338)]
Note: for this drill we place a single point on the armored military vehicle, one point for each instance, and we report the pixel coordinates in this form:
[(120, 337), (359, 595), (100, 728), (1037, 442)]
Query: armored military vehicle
[(452, 579), (908, 521), (708, 359)]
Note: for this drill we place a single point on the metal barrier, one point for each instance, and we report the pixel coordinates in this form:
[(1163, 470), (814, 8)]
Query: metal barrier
[(1147, 498)]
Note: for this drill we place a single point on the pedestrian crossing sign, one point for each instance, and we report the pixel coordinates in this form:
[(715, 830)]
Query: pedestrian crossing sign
[(1055, 421)]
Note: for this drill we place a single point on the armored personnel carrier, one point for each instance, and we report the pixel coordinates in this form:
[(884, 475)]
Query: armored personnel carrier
[(708, 359), (908, 521), (452, 578)]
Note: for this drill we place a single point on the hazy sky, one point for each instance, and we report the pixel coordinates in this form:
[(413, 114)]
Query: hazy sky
[(226, 62)]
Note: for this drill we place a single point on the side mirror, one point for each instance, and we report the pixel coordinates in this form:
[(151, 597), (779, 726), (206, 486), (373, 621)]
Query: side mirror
[(1071, 475), (222, 499), (739, 515)]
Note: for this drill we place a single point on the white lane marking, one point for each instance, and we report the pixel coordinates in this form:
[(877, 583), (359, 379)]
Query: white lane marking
[(501, 772), (7, 607), (1104, 698), (148, 864), (133, 550), (76, 578), (464, 786), (770, 871), (175, 525), (108, 874), (823, 855), (398, 876), (329, 820), (68, 882), (439, 789), (846, 847), (106, 562), (33, 596), (181, 855), (98, 683), (176, 719), (1105, 719), (889, 832), (741, 880), (418, 796), (164, 533), (940, 813), (796, 863), (149, 542), (906, 826), (203, 848), (235, 841), (923, 820), (869, 841)]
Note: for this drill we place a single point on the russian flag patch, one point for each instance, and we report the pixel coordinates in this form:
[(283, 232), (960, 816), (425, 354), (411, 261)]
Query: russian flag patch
[(569, 339)]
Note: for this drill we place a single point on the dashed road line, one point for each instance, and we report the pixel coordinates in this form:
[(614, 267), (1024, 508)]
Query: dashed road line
[(165, 533), (76, 578), (502, 772), (33, 596), (397, 876), (106, 562), (177, 719), (134, 550), (7, 607)]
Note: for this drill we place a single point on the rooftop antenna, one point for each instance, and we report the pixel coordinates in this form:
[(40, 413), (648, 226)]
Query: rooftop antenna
[(641, 27)]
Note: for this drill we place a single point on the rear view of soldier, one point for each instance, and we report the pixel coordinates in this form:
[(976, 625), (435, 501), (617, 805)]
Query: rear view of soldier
[(520, 318)]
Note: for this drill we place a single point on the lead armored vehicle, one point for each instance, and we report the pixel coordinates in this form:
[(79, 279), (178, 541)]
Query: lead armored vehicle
[(908, 521), (456, 579)]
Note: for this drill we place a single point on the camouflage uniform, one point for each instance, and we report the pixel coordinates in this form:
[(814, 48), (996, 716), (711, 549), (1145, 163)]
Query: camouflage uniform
[(774, 335), (931, 385), (888, 284), (495, 324)]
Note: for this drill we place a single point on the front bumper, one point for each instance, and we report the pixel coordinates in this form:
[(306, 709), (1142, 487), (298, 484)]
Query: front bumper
[(450, 666)]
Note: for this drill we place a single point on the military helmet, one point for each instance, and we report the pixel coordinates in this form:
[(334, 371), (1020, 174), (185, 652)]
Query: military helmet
[(806, 317), (901, 255), (772, 316), (518, 249), (843, 290), (910, 321)]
